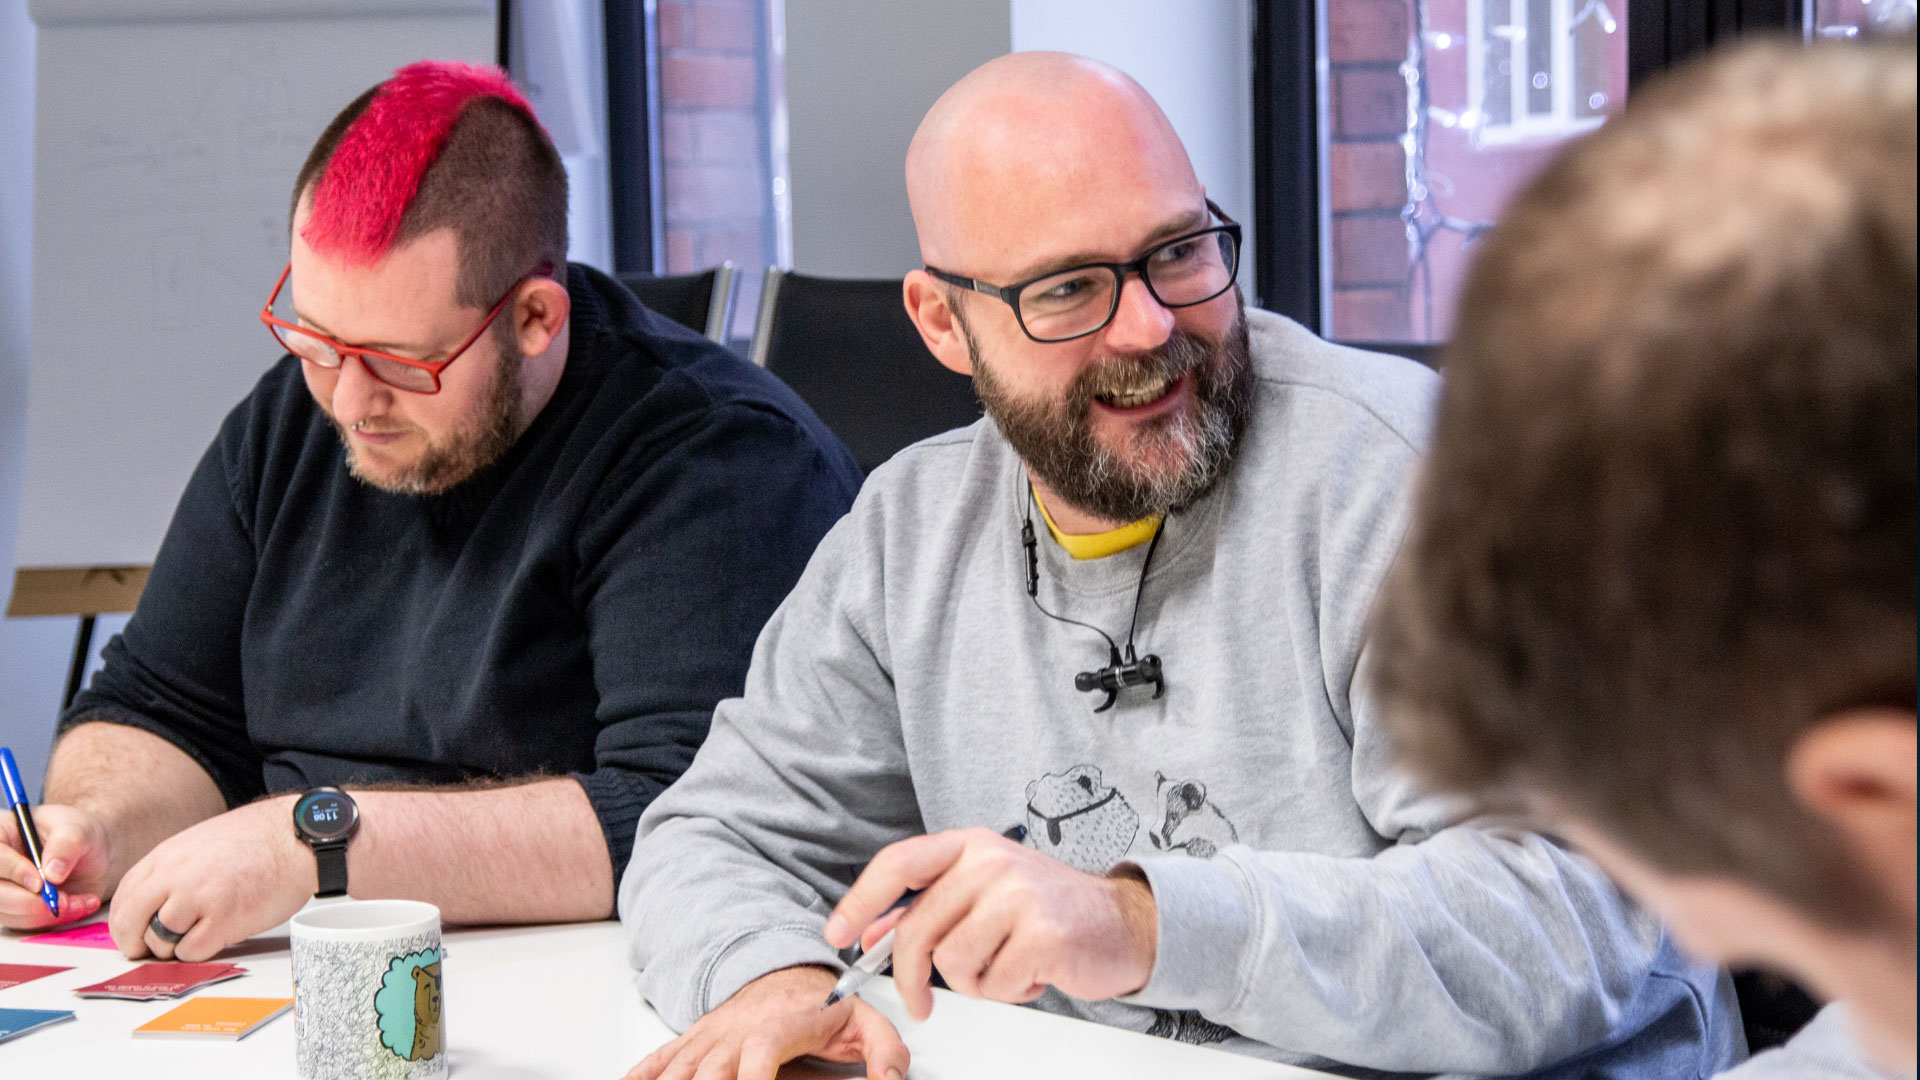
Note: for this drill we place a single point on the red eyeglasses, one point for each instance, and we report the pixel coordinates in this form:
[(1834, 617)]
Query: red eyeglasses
[(400, 372)]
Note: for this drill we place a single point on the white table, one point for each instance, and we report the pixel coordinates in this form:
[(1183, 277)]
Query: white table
[(528, 1003)]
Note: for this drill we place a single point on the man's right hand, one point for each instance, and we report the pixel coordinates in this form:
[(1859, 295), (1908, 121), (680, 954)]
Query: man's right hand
[(74, 844), (773, 1020)]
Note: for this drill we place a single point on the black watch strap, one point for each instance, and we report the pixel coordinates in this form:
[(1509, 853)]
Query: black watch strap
[(331, 860)]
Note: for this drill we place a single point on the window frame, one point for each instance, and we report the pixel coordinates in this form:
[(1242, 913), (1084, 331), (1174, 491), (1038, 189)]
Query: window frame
[(1523, 124), (1292, 216), (633, 135)]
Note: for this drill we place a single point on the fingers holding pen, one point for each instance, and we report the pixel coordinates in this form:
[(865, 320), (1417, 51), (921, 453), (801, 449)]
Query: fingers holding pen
[(879, 927), (15, 867), (24, 909), (918, 934), (984, 931), (1002, 921), (64, 854), (956, 924), (907, 864), (71, 845)]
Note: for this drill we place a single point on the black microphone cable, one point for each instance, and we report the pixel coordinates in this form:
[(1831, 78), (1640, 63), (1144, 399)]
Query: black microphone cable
[(1121, 671)]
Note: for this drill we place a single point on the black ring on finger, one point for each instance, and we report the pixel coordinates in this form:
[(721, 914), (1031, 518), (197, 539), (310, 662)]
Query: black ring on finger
[(160, 930)]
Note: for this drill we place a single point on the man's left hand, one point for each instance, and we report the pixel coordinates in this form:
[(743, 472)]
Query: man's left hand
[(218, 883), (1000, 921)]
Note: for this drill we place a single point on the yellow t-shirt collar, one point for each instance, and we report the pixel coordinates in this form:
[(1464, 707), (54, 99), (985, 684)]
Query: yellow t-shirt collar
[(1100, 545)]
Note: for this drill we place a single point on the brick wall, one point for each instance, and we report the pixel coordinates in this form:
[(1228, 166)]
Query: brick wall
[(1375, 297), (1366, 168), (713, 140)]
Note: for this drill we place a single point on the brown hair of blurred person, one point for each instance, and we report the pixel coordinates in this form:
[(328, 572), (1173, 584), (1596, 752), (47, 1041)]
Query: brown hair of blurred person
[(1661, 587)]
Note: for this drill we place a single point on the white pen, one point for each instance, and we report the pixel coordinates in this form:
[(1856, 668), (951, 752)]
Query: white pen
[(862, 970)]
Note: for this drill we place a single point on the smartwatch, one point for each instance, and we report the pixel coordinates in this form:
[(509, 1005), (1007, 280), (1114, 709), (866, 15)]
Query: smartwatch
[(326, 818)]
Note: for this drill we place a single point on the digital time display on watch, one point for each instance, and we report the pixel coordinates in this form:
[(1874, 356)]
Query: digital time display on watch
[(326, 815)]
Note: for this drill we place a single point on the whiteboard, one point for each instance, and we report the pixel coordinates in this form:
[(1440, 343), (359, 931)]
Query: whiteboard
[(167, 136)]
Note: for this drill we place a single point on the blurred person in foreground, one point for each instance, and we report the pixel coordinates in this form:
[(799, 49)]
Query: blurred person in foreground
[(1659, 593)]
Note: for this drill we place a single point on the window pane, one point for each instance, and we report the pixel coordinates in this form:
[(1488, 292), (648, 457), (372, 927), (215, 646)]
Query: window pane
[(721, 90), (1437, 111), (556, 52), (1852, 18)]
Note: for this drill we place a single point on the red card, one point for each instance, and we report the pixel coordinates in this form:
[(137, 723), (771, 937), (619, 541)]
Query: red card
[(163, 980), (15, 974)]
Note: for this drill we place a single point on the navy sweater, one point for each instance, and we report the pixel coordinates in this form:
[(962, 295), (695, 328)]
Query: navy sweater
[(577, 608)]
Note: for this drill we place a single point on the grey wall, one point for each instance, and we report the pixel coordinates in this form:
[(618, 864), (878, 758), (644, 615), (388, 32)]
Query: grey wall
[(33, 652), (160, 166), (1194, 56), (860, 75)]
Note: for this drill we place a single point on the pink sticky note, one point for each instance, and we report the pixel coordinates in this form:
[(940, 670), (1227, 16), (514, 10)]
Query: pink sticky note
[(93, 935)]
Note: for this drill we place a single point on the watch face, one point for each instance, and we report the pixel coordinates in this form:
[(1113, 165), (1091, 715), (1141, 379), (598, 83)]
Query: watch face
[(326, 815)]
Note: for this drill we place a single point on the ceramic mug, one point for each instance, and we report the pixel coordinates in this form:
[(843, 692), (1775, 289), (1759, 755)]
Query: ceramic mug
[(366, 991)]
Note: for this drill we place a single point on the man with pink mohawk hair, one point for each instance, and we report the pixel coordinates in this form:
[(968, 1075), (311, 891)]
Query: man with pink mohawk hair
[(374, 174), (485, 548)]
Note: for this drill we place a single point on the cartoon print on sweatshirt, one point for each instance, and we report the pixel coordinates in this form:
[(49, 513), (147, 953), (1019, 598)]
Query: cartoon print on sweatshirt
[(1077, 818), (1191, 824), (1188, 1026)]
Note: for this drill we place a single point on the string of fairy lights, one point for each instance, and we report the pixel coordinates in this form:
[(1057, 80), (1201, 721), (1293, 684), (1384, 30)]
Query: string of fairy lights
[(1425, 215)]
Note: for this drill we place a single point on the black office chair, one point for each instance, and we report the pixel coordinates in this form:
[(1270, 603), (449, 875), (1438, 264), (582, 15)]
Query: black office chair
[(847, 348), (701, 302), (1772, 1008)]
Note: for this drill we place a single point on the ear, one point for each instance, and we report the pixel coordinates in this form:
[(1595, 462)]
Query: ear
[(539, 314), (1856, 772), (927, 306)]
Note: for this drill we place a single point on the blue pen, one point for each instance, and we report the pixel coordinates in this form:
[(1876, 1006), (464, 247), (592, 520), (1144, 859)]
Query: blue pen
[(17, 802)]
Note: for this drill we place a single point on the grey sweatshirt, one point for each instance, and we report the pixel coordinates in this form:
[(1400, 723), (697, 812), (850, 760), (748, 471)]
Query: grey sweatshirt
[(1314, 906), (1823, 1050)]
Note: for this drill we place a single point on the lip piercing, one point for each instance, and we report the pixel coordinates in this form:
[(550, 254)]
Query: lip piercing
[(358, 424)]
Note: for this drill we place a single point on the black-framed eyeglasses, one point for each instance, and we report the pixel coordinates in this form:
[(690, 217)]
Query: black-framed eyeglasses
[(1081, 300)]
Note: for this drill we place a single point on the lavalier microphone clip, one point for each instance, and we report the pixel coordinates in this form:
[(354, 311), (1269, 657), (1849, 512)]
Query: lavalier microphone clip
[(1120, 672)]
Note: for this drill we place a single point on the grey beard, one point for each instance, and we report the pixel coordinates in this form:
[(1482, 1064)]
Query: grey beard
[(1174, 460)]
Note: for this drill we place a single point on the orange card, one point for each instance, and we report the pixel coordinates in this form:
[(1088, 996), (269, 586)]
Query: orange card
[(216, 1017)]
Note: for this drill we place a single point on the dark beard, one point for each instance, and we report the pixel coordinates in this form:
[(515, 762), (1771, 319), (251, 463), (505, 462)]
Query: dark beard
[(469, 449), (1057, 441)]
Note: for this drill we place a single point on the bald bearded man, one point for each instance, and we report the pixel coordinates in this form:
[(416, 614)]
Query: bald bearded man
[(1120, 619)]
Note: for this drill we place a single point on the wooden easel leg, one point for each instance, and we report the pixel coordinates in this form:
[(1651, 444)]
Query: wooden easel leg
[(82, 651)]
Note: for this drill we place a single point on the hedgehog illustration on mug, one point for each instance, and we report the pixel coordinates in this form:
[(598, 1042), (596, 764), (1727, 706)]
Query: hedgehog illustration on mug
[(408, 1005)]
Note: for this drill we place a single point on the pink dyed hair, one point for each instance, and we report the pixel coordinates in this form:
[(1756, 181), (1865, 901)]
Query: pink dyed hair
[(361, 199)]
